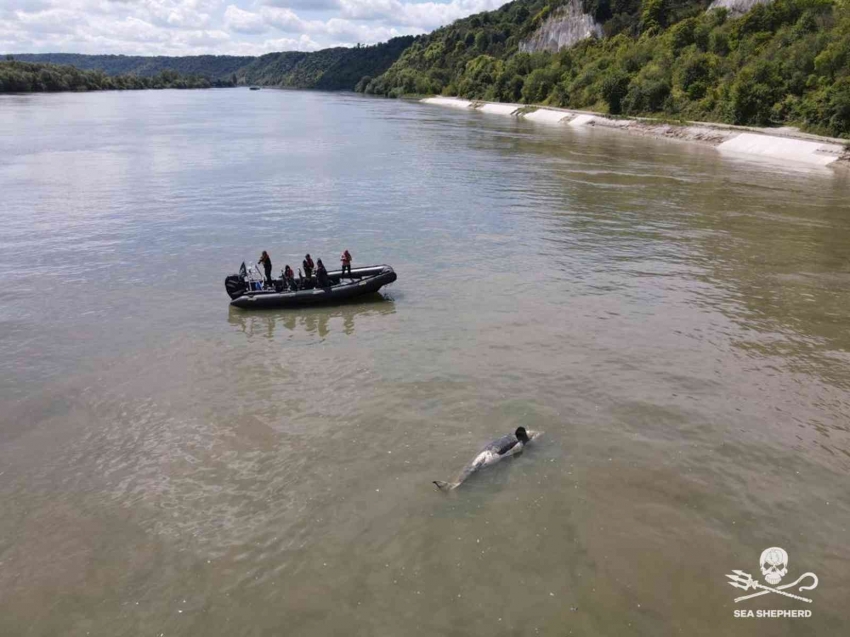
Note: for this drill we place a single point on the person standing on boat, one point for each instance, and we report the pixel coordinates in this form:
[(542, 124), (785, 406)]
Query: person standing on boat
[(308, 266), (322, 275), (265, 259), (346, 263)]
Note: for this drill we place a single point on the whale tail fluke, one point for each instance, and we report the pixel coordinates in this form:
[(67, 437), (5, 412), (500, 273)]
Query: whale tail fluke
[(446, 486)]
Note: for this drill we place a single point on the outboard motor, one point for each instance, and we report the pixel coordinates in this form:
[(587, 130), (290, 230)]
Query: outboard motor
[(235, 286)]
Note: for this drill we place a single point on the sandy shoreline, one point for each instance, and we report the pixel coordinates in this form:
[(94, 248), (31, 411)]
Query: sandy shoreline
[(783, 144)]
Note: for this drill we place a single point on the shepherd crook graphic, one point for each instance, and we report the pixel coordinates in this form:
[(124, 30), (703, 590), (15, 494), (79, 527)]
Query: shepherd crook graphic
[(746, 581)]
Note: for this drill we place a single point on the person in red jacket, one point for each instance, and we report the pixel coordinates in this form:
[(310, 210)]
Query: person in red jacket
[(346, 263)]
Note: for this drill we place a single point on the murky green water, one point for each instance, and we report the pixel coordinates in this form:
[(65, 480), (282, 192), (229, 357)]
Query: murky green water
[(674, 320)]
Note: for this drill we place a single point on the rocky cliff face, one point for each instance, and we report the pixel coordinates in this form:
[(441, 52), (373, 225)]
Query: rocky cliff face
[(565, 27), (737, 7)]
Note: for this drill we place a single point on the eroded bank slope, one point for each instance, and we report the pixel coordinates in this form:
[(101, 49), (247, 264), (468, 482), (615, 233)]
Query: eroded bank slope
[(785, 144)]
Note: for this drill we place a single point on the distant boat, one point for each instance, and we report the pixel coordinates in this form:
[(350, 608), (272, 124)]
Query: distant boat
[(362, 281), (255, 88)]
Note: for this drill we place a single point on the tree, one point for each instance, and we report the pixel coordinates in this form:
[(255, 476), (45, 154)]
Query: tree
[(615, 86), (538, 85), (653, 14), (753, 95)]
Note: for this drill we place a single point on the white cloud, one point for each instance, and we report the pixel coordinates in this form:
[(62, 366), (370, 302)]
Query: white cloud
[(31, 6), (423, 15), (49, 21), (434, 14), (241, 21), (314, 5), (287, 20), (349, 31), (370, 9), (302, 43), (239, 27), (129, 30)]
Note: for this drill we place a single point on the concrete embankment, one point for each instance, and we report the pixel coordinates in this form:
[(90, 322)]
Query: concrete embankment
[(784, 145)]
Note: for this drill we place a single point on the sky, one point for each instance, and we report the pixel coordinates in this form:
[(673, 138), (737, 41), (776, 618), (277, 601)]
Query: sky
[(222, 27)]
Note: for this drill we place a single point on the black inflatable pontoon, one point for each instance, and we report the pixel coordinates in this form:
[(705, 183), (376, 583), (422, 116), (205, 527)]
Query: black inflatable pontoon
[(363, 281)]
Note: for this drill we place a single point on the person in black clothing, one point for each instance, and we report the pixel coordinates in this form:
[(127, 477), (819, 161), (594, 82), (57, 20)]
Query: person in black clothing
[(289, 279), (322, 275), (305, 284), (265, 259), (308, 266)]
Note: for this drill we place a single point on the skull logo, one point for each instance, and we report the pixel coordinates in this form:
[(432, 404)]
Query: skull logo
[(774, 564)]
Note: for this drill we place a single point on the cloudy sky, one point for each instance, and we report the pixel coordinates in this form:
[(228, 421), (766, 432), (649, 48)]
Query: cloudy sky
[(234, 27)]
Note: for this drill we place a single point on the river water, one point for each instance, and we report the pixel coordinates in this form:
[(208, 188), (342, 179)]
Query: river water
[(673, 319)]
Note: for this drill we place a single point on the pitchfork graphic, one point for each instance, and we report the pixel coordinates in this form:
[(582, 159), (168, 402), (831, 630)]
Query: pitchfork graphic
[(744, 580)]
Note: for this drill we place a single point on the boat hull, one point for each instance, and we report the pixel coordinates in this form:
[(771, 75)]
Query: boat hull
[(363, 281)]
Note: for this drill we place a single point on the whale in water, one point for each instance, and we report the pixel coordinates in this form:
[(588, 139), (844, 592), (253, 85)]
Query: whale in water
[(506, 446)]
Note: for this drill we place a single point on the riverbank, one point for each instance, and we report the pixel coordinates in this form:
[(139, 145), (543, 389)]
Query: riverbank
[(782, 144)]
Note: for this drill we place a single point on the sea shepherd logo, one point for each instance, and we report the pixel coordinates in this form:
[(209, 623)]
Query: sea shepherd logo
[(774, 566)]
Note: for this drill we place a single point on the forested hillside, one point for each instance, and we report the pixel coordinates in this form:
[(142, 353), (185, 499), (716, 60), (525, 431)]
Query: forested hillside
[(27, 77), (330, 69), (787, 62), (211, 67)]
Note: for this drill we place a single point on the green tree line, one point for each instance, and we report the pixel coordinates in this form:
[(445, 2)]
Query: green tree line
[(27, 77), (787, 62), (213, 67), (338, 68)]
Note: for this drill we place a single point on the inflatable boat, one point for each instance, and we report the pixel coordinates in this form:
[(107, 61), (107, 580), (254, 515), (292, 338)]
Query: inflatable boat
[(247, 293)]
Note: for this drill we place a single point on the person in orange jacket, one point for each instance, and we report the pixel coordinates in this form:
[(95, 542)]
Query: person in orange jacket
[(346, 263)]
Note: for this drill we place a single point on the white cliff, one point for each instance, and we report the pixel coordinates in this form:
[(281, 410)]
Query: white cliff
[(737, 7), (566, 26)]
